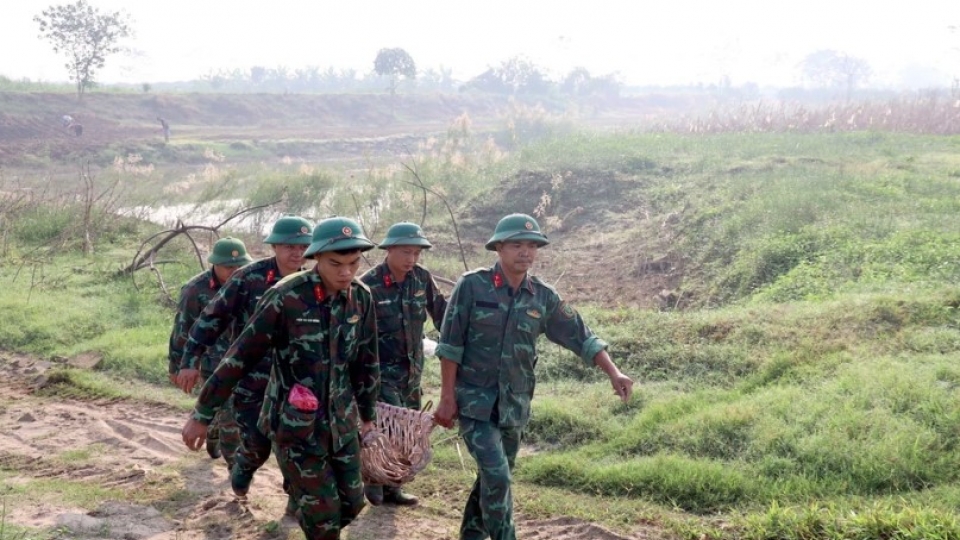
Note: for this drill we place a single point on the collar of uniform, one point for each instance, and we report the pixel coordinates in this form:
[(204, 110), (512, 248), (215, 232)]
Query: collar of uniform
[(320, 290), (500, 280), (273, 272), (387, 276), (212, 279)]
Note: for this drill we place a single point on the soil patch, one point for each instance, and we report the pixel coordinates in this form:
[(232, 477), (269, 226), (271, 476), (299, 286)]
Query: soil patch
[(168, 492)]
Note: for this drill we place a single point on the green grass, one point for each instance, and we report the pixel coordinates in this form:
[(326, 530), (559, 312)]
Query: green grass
[(806, 390)]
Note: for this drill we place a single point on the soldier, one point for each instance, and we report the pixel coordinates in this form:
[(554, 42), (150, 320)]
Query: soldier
[(404, 293), (324, 382), (487, 356), (227, 313), (227, 256)]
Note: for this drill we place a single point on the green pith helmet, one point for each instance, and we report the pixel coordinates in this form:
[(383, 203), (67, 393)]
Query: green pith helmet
[(229, 252), (405, 234), (338, 233), (290, 229), (517, 227)]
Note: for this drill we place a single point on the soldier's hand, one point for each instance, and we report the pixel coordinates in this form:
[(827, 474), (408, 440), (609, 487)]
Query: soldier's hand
[(622, 385), (187, 379), (194, 434), (446, 413)]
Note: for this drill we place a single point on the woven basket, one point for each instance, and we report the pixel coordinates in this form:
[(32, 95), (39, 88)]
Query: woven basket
[(399, 448)]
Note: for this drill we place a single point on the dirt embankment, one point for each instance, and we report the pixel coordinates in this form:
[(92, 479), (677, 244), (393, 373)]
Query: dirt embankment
[(130, 458), (31, 129)]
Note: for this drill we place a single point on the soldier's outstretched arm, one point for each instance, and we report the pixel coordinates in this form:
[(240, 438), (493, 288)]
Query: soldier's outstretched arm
[(263, 332), (622, 385)]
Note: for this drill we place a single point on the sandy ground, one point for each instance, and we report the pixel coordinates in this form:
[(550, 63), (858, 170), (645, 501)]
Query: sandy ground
[(135, 448)]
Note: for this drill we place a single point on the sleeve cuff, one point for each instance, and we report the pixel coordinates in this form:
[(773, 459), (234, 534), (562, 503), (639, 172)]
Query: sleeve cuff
[(591, 347), (450, 352), (368, 414), (204, 415), (189, 362)]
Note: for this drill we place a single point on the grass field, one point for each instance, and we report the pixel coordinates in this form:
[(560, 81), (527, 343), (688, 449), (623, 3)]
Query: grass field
[(801, 382)]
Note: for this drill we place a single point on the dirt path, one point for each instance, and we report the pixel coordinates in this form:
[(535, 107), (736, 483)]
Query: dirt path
[(165, 491)]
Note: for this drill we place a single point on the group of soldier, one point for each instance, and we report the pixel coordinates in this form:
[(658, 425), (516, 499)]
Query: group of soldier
[(255, 334)]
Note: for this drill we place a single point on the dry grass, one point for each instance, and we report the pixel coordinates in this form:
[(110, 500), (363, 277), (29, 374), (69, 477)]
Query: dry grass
[(931, 114)]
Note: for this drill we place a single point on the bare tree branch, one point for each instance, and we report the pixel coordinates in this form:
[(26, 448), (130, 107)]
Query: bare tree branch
[(453, 219), (141, 258)]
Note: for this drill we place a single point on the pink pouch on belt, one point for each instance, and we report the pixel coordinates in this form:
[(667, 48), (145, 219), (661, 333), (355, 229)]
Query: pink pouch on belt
[(302, 398)]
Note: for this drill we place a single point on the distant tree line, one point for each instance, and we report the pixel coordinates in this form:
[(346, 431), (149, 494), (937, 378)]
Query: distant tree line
[(398, 74)]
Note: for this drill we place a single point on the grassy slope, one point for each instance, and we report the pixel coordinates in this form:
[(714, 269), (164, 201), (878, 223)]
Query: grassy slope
[(814, 374)]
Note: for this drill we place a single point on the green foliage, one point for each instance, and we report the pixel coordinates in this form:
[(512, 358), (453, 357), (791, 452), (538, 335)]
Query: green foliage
[(694, 485), (819, 520), (393, 63), (825, 368)]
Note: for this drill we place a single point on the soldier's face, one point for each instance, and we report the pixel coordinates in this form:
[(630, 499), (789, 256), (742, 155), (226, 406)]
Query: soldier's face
[(224, 272), (402, 259), (517, 257), (289, 257), (336, 270)]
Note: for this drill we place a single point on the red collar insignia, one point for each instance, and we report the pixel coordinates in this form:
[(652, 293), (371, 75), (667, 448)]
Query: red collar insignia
[(318, 292)]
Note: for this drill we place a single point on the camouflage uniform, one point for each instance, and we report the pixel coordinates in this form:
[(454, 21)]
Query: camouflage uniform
[(402, 309), (226, 315), (194, 296), (491, 333), (327, 343)]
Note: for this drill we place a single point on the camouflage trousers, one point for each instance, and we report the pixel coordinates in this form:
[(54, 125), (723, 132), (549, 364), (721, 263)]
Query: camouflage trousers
[(224, 427), (489, 509), (253, 447), (400, 395), (326, 487)]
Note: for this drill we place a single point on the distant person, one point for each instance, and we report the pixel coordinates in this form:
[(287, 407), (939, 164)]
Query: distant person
[(77, 128), (165, 127)]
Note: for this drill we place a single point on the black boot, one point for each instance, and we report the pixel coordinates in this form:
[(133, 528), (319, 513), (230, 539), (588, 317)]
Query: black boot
[(213, 447), (374, 494), (395, 495)]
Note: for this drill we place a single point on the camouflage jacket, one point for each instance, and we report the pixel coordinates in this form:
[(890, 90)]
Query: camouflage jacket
[(492, 335), (325, 342), (402, 310), (194, 296), (227, 314)]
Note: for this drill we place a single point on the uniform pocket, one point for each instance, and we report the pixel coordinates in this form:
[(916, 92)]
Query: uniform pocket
[(295, 427)]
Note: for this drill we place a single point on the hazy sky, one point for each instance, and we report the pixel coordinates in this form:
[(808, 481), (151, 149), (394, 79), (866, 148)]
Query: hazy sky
[(646, 42)]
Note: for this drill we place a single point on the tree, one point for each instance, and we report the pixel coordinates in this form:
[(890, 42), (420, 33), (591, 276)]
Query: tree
[(515, 75), (580, 83), (394, 63), (832, 69), (85, 35)]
